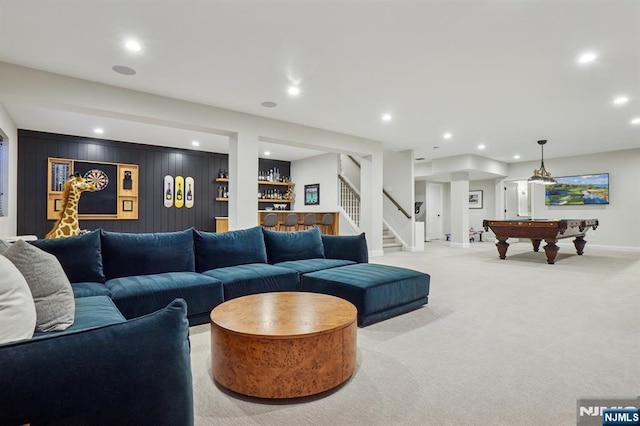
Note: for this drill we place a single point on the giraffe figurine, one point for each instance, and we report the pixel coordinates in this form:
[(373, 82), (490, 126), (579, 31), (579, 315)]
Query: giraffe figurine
[(67, 225)]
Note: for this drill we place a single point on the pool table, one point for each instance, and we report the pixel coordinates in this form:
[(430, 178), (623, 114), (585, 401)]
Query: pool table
[(537, 230)]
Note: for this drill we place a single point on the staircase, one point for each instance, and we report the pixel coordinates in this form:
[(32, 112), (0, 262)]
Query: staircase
[(389, 242)]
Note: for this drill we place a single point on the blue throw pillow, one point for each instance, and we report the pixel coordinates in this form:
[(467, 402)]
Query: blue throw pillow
[(80, 256), (286, 246), (347, 247), (218, 250), (126, 255)]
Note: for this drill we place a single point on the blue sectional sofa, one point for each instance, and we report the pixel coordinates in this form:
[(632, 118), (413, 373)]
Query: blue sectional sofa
[(125, 359)]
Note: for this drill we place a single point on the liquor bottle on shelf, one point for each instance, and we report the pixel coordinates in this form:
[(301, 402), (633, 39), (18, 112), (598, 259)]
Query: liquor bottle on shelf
[(179, 193), (220, 175), (189, 193), (220, 191), (226, 174), (168, 195)]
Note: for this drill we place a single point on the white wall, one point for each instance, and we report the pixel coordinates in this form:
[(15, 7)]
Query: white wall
[(399, 183), (618, 220), (322, 169), (8, 223), (350, 171), (476, 216)]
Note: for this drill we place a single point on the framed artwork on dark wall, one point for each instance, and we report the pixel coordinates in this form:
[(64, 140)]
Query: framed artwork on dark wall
[(312, 194)]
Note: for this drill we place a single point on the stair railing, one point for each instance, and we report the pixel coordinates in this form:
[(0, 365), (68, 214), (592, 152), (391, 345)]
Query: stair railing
[(349, 200)]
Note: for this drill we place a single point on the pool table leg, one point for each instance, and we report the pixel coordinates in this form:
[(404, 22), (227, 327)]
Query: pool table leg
[(502, 245), (579, 243), (551, 250), (536, 245)]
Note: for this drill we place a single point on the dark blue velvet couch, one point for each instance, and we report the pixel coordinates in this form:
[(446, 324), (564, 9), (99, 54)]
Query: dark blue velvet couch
[(125, 359)]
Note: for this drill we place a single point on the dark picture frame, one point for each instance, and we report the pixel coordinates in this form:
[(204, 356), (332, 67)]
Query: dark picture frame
[(312, 194), (475, 199)]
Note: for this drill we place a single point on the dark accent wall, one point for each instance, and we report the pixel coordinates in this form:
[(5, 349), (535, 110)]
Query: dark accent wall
[(154, 163)]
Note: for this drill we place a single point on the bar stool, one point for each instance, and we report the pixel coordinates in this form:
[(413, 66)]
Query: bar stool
[(270, 221), (291, 221), (326, 224), (309, 221)]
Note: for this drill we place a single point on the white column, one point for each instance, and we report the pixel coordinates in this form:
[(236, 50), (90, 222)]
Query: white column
[(371, 202), (460, 209), (243, 180)]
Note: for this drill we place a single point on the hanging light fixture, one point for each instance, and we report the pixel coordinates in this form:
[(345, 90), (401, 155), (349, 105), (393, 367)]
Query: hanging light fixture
[(542, 175)]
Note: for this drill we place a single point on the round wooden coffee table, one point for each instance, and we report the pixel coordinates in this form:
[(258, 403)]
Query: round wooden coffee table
[(283, 344)]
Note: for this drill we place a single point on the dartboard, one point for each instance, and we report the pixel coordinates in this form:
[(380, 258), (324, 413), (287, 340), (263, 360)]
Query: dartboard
[(98, 178)]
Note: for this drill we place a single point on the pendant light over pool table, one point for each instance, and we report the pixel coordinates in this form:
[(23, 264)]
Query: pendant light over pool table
[(541, 175)]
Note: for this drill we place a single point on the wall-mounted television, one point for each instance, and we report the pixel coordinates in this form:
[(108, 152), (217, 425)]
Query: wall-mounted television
[(578, 190)]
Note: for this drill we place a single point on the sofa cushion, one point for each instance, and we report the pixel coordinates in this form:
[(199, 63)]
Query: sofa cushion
[(140, 295), (305, 266), (17, 309), (349, 247), (218, 250), (125, 254), (80, 256), (242, 280), (89, 289), (137, 372), (49, 285), (91, 311), (377, 291), (285, 246)]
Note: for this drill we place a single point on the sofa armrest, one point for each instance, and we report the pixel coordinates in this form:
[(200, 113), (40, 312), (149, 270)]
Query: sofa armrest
[(136, 372)]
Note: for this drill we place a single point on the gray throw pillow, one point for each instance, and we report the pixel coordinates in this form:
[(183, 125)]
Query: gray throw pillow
[(49, 285), (3, 246)]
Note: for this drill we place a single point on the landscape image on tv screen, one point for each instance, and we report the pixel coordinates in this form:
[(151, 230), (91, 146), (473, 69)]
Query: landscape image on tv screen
[(578, 190)]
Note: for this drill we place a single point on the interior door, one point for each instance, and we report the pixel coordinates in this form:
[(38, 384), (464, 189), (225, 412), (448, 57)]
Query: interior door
[(434, 211), (511, 200)]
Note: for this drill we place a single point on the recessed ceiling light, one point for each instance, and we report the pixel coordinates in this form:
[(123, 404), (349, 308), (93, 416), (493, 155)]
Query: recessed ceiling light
[(294, 90), (121, 69), (635, 120), (133, 45), (516, 157), (98, 131), (386, 117), (620, 100), (269, 104), (586, 58), (447, 136), (267, 153), (195, 143), (481, 146)]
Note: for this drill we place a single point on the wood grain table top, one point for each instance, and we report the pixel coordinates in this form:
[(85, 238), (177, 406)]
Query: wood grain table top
[(282, 315)]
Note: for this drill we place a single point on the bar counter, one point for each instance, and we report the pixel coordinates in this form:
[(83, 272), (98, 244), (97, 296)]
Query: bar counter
[(222, 223)]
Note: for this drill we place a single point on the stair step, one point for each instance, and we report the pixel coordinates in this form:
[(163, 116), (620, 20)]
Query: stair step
[(391, 247)]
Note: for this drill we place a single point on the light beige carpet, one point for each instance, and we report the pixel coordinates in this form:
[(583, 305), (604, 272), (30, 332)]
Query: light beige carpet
[(501, 342)]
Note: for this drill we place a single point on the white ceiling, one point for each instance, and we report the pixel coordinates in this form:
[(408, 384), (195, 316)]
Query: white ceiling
[(501, 72)]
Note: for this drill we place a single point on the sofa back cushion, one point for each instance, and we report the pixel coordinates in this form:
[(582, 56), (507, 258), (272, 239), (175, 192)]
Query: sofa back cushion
[(286, 246), (346, 247), (80, 256), (218, 250), (126, 255)]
